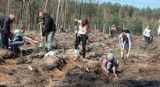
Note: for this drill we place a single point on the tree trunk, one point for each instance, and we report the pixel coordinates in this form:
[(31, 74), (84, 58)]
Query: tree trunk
[(57, 16)]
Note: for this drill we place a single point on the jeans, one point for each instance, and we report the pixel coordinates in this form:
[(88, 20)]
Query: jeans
[(15, 43), (4, 39), (49, 40), (84, 41)]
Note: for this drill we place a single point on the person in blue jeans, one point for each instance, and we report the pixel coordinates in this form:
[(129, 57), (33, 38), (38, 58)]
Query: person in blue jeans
[(18, 38), (49, 29), (5, 21)]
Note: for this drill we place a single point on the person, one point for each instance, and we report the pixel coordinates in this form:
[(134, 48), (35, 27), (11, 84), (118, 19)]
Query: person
[(49, 29), (5, 21), (125, 43), (147, 36), (62, 29), (113, 30), (109, 64), (82, 35), (19, 37), (158, 33)]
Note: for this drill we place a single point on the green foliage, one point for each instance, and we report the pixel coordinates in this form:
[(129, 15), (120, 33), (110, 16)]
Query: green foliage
[(114, 19), (153, 27), (135, 26)]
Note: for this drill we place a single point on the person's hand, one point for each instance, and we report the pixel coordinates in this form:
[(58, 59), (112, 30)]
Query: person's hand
[(107, 72), (115, 75), (76, 32), (76, 20), (122, 49), (41, 23), (35, 42)]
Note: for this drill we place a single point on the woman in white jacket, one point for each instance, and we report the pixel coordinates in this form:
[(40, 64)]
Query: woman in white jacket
[(147, 36)]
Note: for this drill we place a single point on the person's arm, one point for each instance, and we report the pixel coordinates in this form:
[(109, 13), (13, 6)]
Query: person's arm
[(114, 71), (129, 42), (6, 26), (104, 66), (29, 39), (144, 33), (121, 42), (158, 32)]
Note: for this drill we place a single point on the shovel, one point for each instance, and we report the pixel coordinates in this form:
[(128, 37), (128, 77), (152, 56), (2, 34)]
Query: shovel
[(41, 44)]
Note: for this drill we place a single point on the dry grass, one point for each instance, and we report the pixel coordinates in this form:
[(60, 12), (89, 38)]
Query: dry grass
[(57, 74), (11, 62), (3, 75)]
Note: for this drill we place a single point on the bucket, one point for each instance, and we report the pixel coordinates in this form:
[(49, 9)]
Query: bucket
[(41, 45)]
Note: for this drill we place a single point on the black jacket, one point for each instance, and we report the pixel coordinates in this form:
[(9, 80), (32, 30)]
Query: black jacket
[(5, 23), (48, 24)]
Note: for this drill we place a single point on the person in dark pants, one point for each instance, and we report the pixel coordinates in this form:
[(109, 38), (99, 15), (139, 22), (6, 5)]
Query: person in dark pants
[(82, 35), (125, 43), (113, 31), (5, 21), (49, 29), (147, 36)]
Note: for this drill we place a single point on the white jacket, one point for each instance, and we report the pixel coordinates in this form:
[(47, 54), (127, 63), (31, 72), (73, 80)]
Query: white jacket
[(147, 32)]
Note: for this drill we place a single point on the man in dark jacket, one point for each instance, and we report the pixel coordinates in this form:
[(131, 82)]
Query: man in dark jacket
[(5, 22), (49, 29)]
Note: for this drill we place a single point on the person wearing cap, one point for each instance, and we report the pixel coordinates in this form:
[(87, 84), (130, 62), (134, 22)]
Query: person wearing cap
[(5, 21), (109, 64)]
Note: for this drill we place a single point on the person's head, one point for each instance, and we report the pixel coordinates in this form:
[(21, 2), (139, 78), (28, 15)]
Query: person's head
[(84, 22), (113, 25), (109, 57), (11, 17), (159, 21), (41, 14), (147, 26), (124, 34), (22, 28)]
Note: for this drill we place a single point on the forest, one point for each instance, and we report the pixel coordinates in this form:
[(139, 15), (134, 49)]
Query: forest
[(101, 15)]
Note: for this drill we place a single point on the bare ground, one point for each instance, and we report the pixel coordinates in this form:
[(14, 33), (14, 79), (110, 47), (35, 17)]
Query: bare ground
[(32, 70)]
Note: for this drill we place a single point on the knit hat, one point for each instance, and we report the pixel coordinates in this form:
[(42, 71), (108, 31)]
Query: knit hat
[(110, 56)]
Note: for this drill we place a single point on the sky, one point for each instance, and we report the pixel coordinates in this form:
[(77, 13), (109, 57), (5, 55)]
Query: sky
[(153, 4)]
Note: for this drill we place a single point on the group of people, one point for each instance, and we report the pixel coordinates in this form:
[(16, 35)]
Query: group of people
[(109, 64), (9, 40)]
